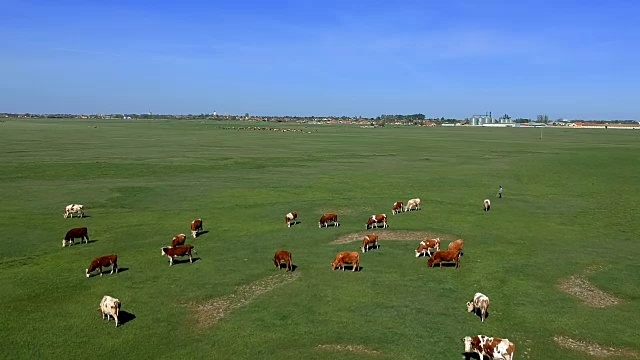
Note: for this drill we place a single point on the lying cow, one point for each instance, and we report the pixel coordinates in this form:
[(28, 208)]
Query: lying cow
[(283, 256), (456, 245), (370, 240), (76, 233), (397, 207), (487, 204), (196, 227), (73, 209), (178, 240), (426, 246), (411, 204), (110, 307), (446, 255), (103, 261), (374, 220), (346, 258), (290, 217), (182, 250), (326, 218), (480, 302), (494, 348)]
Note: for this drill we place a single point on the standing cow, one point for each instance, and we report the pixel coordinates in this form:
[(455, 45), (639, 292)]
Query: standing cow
[(456, 245), (370, 240), (480, 302), (374, 220), (426, 246), (73, 209), (487, 204), (103, 261), (291, 218), (178, 240), (196, 227), (397, 207), (411, 204), (76, 233), (326, 218), (346, 258), (283, 256), (110, 307), (494, 348), (441, 256), (182, 250)]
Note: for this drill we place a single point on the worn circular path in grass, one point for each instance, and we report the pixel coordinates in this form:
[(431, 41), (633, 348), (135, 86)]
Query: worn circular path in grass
[(594, 349), (385, 234), (578, 286)]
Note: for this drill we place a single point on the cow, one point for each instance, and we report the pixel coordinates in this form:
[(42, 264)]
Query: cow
[(479, 302), (369, 240), (103, 261), (73, 209), (487, 204), (346, 258), (426, 246), (290, 217), (413, 203), (196, 227), (281, 256), (397, 207), (326, 218), (182, 250), (494, 348), (178, 240), (374, 220), (445, 255), (110, 307), (456, 245), (81, 233)]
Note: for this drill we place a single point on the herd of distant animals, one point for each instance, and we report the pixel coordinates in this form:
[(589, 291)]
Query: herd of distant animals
[(495, 348)]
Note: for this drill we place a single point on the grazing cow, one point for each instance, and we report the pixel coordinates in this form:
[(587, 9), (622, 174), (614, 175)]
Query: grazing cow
[(413, 203), (81, 233), (346, 258), (182, 250), (178, 240), (326, 218), (110, 307), (426, 246), (73, 209), (369, 240), (456, 245), (196, 227), (445, 255), (103, 261), (281, 256), (487, 204), (479, 302), (376, 219), (494, 348), (397, 207), (290, 217)]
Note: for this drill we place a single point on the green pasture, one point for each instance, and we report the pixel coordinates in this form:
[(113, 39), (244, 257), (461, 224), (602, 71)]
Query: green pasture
[(571, 202)]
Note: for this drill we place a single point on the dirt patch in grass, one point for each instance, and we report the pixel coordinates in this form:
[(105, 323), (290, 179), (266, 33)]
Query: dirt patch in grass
[(400, 235), (209, 313), (351, 348), (594, 349), (580, 287)]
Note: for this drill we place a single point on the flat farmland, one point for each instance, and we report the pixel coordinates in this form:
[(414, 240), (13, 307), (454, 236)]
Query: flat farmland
[(566, 227)]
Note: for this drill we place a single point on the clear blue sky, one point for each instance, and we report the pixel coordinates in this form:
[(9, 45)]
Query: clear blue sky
[(569, 59)]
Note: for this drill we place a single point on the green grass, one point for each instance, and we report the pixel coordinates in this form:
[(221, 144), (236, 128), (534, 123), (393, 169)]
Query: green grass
[(570, 202)]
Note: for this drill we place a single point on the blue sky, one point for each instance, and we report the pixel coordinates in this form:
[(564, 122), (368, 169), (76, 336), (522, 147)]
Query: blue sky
[(568, 59)]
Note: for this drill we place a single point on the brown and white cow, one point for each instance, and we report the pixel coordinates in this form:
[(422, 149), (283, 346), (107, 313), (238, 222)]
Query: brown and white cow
[(75, 233), (73, 209), (110, 307), (456, 245), (182, 250), (397, 207), (178, 240), (480, 302), (411, 204), (487, 204), (290, 218), (494, 348), (374, 220), (346, 257), (445, 255), (370, 240), (326, 218), (283, 256), (196, 227), (427, 245), (103, 261)]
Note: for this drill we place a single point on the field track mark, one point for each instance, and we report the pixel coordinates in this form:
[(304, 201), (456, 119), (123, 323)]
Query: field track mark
[(580, 287), (351, 348), (393, 235), (594, 349), (209, 313)]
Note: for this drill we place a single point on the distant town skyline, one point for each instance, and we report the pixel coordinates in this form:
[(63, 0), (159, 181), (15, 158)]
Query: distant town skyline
[(566, 59)]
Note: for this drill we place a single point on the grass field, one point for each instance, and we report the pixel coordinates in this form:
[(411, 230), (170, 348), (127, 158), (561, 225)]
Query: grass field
[(570, 204)]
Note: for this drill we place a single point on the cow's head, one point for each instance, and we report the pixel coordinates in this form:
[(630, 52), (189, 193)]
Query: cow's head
[(164, 251), (87, 272), (467, 340), (334, 264), (470, 306), (431, 261)]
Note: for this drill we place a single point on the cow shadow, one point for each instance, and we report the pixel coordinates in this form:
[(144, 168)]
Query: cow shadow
[(295, 222), (445, 265), (478, 313), (107, 272), (124, 317), (472, 355), (199, 233), (91, 241), (284, 266), (176, 261), (350, 268)]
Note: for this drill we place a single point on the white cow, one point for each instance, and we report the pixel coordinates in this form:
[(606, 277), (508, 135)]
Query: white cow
[(487, 204), (413, 203), (479, 301), (110, 307), (73, 209), (494, 348)]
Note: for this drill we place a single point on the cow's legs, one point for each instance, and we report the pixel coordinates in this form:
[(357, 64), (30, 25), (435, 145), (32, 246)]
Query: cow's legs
[(100, 268), (170, 260), (190, 259)]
